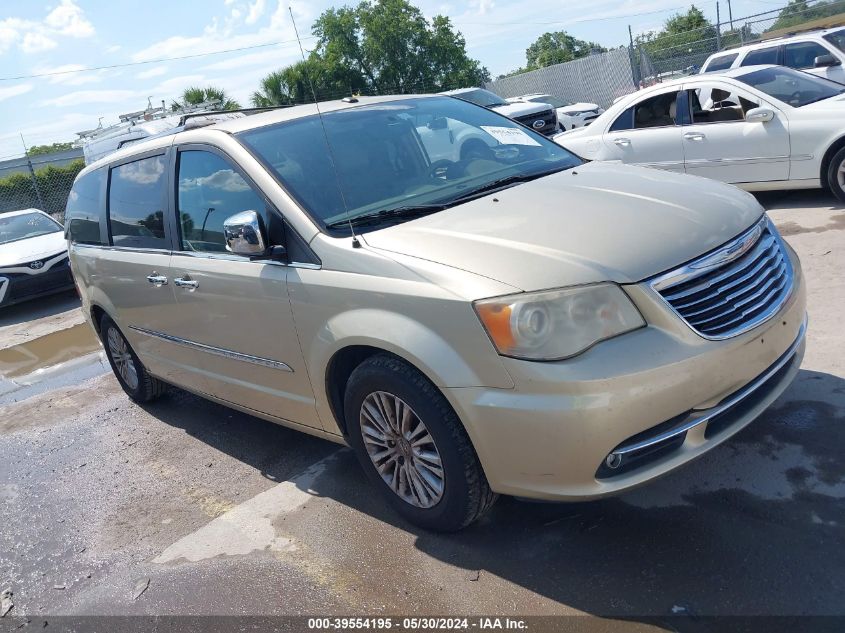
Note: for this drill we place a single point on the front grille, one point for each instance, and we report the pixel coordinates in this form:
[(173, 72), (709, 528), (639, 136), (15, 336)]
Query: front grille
[(734, 289), (547, 117), (22, 286)]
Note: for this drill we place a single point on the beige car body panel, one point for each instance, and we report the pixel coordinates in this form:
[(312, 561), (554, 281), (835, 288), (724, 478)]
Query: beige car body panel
[(540, 429)]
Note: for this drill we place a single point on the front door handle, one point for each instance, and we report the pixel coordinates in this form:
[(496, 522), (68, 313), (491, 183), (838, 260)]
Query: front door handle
[(186, 282), (622, 142), (694, 136), (157, 280)]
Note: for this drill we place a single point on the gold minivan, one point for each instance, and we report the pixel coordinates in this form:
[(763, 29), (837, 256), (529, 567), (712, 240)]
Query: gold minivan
[(472, 308)]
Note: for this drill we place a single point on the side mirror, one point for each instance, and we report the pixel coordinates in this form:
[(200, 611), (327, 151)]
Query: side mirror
[(244, 234), (759, 115), (823, 61)]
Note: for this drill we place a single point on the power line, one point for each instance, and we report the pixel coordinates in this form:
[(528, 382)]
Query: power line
[(153, 61)]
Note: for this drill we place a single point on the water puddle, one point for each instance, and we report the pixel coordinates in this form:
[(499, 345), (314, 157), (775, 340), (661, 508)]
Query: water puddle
[(48, 350)]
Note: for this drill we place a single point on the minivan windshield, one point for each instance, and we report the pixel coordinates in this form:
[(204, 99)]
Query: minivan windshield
[(837, 38), (26, 225), (399, 159), (791, 86)]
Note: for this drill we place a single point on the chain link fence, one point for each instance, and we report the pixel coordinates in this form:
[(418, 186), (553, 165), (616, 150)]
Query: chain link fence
[(595, 79), (40, 182), (665, 57)]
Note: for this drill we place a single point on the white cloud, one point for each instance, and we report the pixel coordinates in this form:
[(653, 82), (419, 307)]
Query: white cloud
[(273, 58), (81, 97), (155, 71), (175, 85), (256, 10), (114, 48), (68, 19), (14, 91)]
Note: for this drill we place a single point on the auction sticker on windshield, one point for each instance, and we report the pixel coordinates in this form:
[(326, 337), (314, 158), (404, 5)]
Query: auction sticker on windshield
[(509, 135)]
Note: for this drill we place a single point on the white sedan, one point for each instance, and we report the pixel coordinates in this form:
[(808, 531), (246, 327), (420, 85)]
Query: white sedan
[(33, 256), (759, 127)]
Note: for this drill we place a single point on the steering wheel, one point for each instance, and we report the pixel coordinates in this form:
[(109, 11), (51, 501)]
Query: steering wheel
[(794, 97), (440, 168)]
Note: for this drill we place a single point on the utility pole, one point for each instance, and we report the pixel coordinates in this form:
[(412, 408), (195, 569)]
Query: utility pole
[(730, 15), (718, 28), (32, 175)]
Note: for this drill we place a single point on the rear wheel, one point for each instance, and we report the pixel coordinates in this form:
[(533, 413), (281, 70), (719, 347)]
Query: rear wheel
[(138, 384), (413, 446), (836, 174)]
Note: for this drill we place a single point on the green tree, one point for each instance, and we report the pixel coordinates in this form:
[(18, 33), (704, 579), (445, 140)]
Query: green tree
[(194, 95), (41, 150), (799, 11), (686, 39), (380, 46), (557, 48)]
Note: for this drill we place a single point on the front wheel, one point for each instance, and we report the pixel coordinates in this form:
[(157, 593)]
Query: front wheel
[(836, 175), (413, 446)]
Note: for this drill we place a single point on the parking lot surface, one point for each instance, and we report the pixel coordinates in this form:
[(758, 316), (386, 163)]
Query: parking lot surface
[(186, 507)]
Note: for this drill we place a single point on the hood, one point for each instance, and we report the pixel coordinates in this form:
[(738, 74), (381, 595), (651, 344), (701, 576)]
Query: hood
[(576, 108), (597, 222), (512, 110), (23, 251)]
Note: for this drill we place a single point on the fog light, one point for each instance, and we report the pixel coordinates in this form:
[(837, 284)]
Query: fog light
[(614, 461)]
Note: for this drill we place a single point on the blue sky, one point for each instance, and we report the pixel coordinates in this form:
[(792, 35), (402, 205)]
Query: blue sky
[(61, 35)]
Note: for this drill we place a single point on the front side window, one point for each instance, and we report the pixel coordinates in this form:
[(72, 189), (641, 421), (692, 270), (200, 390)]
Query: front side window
[(761, 57), (210, 190), (26, 225), (137, 202), (803, 54), (84, 206), (791, 86), (420, 153), (837, 38), (716, 103), (720, 63)]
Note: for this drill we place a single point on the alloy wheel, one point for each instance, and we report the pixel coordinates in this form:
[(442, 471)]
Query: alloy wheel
[(123, 362), (402, 449), (840, 174)]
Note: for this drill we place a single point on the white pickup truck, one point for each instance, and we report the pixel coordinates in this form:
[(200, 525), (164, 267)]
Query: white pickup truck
[(540, 117)]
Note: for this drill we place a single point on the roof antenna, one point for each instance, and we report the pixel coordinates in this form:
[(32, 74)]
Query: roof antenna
[(355, 242)]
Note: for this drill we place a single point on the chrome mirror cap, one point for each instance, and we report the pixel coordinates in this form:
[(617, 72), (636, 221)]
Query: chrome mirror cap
[(243, 234), (759, 115)]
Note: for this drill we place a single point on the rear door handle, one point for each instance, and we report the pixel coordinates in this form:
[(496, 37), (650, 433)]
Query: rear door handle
[(157, 280), (186, 282), (694, 136), (622, 142)]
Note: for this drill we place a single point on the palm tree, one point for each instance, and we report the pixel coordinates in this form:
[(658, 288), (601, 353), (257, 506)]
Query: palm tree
[(283, 87), (195, 95)]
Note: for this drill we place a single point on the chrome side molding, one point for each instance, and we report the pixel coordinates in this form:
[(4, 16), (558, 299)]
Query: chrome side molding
[(217, 351)]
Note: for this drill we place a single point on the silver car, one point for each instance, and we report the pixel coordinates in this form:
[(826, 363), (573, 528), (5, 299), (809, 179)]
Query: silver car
[(504, 321)]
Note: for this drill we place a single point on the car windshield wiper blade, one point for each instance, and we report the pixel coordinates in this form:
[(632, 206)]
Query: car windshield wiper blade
[(402, 213)]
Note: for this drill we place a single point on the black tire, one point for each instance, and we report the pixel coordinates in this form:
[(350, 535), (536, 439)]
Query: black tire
[(836, 174), (147, 388), (466, 495)]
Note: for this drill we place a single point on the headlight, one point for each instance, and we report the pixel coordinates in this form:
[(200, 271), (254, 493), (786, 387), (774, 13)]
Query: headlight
[(557, 324)]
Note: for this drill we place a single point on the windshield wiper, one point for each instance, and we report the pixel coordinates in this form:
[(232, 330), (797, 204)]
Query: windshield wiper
[(398, 213)]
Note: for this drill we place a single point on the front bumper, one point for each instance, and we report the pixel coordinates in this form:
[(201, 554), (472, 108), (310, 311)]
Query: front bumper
[(632, 408), (23, 283)]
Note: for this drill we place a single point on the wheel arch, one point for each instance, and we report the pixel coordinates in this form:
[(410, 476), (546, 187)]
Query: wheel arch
[(831, 151)]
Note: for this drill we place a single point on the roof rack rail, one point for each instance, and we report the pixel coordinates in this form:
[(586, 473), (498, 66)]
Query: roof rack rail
[(247, 111)]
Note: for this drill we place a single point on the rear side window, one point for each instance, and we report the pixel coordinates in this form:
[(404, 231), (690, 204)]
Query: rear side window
[(136, 203), (802, 54), (721, 63), (762, 56), (84, 206)]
